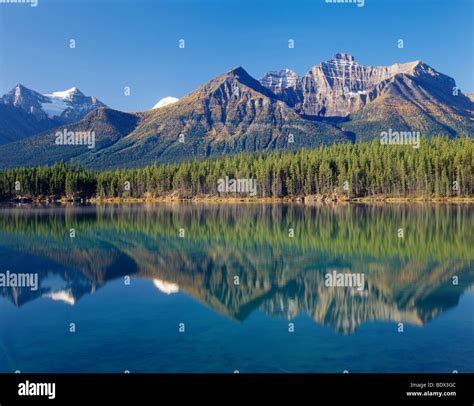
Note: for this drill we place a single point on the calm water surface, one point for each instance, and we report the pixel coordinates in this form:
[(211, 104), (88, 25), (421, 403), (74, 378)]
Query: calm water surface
[(181, 262)]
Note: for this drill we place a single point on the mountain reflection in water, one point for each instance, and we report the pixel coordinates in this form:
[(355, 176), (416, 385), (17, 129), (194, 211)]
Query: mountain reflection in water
[(407, 279)]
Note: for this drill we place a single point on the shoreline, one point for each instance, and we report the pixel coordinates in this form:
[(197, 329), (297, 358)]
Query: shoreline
[(300, 200), (304, 200)]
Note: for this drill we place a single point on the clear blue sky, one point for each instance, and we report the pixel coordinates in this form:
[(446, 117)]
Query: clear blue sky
[(135, 42)]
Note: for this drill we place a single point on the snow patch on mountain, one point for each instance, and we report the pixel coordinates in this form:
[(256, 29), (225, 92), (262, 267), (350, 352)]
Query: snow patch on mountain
[(66, 94), (58, 102), (165, 102), (54, 107)]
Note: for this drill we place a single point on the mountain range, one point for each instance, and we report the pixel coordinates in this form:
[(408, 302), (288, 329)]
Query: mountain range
[(24, 112), (336, 101)]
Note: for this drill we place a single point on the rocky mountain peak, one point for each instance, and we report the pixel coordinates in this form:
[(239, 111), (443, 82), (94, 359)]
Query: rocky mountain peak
[(19, 88), (26, 99), (239, 76), (341, 86), (18, 91), (342, 57), (237, 71), (61, 106)]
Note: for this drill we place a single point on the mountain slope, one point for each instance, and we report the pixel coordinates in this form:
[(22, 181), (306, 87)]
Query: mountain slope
[(229, 114), (415, 101), (16, 123), (108, 127)]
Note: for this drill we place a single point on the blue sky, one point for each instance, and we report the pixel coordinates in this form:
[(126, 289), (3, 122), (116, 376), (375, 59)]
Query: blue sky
[(135, 42)]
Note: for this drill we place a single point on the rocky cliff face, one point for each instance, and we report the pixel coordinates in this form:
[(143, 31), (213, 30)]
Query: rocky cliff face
[(341, 86)]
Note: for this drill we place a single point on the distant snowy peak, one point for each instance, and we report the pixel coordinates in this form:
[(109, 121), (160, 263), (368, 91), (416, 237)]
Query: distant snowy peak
[(67, 94), (70, 104), (165, 102), (63, 106)]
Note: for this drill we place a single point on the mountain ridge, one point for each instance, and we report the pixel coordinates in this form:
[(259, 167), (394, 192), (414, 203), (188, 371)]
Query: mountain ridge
[(45, 111), (338, 100)]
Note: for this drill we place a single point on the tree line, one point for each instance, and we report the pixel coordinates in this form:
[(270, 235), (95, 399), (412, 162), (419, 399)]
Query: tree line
[(438, 168)]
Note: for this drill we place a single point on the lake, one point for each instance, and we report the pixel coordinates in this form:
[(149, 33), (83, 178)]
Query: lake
[(238, 287)]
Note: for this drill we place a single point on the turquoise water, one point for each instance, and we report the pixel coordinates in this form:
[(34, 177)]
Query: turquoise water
[(132, 274)]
